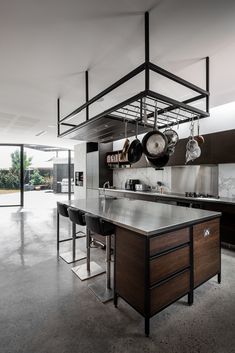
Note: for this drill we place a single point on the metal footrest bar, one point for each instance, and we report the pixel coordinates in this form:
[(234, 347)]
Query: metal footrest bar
[(67, 239), (81, 232)]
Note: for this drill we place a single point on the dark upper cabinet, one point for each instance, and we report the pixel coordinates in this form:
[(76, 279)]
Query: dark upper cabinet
[(219, 147), (104, 173)]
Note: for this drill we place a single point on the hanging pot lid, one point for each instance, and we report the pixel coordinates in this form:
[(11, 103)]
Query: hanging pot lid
[(135, 150)]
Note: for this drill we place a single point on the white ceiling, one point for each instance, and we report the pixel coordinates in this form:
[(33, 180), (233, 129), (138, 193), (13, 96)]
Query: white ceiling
[(46, 46)]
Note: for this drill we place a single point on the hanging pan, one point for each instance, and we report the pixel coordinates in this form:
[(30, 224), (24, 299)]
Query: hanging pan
[(159, 162), (135, 150), (154, 142), (171, 135)]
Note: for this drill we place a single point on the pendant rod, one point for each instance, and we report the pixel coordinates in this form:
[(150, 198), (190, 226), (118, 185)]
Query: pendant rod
[(146, 25)]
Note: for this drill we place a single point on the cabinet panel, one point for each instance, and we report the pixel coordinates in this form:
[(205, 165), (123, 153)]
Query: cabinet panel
[(130, 267), (206, 243), (219, 147)]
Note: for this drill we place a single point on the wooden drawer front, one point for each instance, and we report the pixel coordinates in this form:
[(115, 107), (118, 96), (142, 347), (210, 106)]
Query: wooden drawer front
[(206, 242), (168, 241), (169, 291), (165, 265)]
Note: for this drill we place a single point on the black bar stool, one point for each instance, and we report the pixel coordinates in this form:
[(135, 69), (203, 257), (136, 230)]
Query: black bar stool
[(71, 256), (102, 290), (90, 268), (77, 217)]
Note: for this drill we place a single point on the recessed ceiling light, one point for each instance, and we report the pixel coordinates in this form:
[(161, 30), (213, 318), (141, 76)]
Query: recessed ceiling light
[(41, 133)]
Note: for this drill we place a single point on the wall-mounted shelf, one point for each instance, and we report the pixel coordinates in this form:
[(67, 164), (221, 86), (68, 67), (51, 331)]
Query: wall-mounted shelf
[(114, 161)]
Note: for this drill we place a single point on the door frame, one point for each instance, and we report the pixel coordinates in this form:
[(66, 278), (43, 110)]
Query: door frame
[(21, 146)]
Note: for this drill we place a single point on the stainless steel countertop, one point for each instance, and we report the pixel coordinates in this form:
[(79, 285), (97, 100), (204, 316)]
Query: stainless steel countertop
[(143, 217), (225, 200)]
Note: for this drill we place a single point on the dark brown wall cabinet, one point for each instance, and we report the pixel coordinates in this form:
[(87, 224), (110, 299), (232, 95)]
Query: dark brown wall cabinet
[(218, 148)]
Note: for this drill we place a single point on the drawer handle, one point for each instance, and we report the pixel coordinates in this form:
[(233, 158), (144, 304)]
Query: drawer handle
[(206, 232)]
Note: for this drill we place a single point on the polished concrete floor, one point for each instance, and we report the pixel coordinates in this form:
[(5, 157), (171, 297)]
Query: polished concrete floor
[(45, 308)]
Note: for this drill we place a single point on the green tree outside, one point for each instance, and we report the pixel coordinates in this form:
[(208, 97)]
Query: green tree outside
[(36, 178), (15, 162)]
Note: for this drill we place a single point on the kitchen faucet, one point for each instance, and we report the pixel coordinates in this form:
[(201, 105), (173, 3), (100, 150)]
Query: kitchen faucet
[(108, 184)]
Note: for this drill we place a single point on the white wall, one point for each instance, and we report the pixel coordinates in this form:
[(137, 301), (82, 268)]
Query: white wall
[(80, 166)]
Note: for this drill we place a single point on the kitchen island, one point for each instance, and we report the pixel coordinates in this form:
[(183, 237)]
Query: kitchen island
[(162, 252), (224, 205)]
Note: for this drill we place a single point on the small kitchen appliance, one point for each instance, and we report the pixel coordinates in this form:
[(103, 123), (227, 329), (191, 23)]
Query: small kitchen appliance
[(130, 184)]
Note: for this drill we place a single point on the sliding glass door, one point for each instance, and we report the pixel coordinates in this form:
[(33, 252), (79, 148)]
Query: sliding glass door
[(11, 175)]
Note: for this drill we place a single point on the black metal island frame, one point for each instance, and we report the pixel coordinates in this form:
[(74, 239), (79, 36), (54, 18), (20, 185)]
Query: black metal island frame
[(162, 252), (86, 123)]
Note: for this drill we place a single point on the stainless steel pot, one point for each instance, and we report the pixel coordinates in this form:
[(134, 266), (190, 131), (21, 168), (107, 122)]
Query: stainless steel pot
[(154, 142), (172, 137)]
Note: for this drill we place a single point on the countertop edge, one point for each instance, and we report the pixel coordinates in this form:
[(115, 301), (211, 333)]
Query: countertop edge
[(155, 194)]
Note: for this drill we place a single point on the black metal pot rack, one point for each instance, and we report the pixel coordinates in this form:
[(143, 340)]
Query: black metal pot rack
[(106, 126)]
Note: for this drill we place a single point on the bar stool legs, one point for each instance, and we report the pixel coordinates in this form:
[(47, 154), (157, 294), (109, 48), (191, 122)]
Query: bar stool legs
[(90, 268), (58, 231), (75, 254), (102, 288)]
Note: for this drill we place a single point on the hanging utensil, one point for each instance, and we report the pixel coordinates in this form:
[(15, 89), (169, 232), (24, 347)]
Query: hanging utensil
[(193, 151), (135, 150), (154, 142), (126, 144), (199, 138)]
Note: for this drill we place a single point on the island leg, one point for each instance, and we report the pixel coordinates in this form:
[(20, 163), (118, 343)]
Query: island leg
[(219, 277), (190, 298), (115, 300), (146, 326)]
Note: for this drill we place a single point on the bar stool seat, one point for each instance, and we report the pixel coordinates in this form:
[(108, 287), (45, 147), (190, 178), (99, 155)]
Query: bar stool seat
[(76, 216), (102, 289), (70, 256)]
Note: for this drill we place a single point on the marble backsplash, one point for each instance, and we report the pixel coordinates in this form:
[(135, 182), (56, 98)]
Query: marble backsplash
[(148, 176), (214, 180), (227, 180)]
